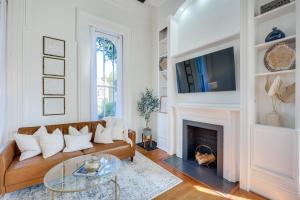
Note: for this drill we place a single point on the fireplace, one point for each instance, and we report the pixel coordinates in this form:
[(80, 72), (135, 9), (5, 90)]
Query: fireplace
[(210, 135)]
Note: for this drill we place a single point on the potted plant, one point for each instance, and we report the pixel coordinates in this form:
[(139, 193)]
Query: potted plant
[(147, 105), (279, 94)]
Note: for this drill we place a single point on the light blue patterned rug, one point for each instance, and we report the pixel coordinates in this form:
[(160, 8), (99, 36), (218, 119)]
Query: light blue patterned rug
[(142, 179)]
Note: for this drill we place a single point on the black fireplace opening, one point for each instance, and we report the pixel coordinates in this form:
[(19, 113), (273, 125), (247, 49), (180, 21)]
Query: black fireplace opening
[(208, 138), (194, 134)]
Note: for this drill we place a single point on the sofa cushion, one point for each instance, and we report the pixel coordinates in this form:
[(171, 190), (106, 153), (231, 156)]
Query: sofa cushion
[(29, 144), (77, 142), (103, 135), (118, 148), (36, 167), (63, 127)]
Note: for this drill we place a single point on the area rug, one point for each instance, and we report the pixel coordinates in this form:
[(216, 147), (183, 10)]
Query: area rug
[(140, 179)]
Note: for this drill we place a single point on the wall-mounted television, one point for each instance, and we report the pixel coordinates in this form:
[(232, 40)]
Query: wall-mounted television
[(208, 73)]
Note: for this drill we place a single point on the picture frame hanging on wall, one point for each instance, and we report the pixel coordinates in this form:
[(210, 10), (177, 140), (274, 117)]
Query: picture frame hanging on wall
[(54, 47), (54, 106), (53, 86), (53, 66)]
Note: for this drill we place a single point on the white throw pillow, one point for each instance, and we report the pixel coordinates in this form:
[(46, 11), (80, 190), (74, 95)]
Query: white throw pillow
[(109, 122), (51, 144), (74, 131), (29, 144), (118, 129), (117, 126), (77, 142), (103, 135)]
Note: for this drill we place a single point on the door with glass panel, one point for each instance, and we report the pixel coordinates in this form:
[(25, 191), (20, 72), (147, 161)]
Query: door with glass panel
[(109, 75)]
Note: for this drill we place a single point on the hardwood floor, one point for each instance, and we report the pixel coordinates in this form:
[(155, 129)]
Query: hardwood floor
[(191, 189)]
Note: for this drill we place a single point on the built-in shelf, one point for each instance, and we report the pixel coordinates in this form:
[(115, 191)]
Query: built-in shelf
[(276, 73), (163, 40), (163, 56), (268, 44), (268, 127), (283, 10), (163, 74)]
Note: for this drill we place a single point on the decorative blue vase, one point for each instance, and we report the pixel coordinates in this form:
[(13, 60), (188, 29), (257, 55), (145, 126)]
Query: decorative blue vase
[(276, 34)]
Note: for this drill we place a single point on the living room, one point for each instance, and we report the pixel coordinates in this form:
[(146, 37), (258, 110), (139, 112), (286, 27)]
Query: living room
[(149, 99)]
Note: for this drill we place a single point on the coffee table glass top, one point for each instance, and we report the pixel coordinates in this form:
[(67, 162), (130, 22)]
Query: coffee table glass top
[(60, 178)]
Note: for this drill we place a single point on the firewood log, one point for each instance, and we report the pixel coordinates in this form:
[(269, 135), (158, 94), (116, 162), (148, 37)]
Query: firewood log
[(205, 159)]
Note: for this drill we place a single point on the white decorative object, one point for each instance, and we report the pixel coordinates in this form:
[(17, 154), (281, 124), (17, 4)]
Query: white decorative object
[(279, 94), (77, 142), (53, 106), (82, 131), (53, 86), (103, 135), (52, 144), (29, 144), (273, 119), (53, 66), (53, 47)]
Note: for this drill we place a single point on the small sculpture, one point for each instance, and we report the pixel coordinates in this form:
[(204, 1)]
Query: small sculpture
[(279, 94)]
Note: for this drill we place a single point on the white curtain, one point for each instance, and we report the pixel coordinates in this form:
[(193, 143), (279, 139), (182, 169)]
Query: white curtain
[(93, 75), (3, 115)]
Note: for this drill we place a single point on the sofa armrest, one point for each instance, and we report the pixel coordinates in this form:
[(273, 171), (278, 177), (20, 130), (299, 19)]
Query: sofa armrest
[(132, 137), (6, 157)]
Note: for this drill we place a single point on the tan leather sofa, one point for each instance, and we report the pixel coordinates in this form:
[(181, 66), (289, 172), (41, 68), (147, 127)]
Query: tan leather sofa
[(15, 174)]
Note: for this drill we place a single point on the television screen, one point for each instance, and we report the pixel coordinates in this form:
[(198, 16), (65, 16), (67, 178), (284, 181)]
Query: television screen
[(207, 73)]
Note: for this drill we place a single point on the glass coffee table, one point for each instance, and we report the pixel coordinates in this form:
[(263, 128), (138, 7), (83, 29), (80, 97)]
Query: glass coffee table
[(60, 178)]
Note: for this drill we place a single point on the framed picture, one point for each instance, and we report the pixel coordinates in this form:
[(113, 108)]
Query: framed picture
[(53, 47), (53, 86), (53, 66), (163, 104), (54, 106)]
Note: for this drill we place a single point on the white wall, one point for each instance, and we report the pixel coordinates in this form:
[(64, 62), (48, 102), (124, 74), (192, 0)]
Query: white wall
[(201, 27), (29, 20), (205, 21)]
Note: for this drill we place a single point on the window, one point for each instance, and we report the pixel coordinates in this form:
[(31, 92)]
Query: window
[(108, 64)]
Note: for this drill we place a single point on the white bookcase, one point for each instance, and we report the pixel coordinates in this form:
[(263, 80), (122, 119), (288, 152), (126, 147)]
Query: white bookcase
[(274, 150), (163, 63)]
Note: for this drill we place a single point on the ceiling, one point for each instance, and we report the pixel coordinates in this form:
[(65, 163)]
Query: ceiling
[(155, 3)]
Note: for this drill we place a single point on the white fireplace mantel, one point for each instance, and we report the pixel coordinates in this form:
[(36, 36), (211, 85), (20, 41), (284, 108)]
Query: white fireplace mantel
[(224, 115)]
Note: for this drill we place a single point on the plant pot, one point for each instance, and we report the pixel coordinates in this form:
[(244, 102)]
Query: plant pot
[(147, 131), (273, 119)]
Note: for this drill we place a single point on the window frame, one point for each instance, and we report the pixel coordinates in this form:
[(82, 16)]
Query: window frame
[(117, 40)]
